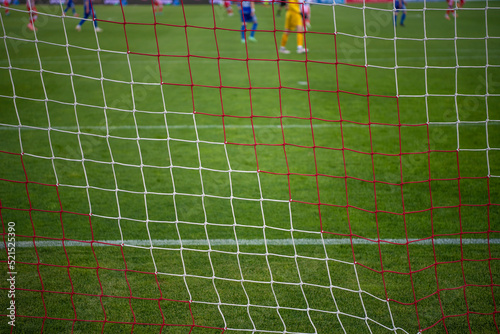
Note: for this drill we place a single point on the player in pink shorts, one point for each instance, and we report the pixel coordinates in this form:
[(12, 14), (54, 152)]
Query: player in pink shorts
[(6, 5), (229, 9), (451, 9), (30, 5), (157, 6)]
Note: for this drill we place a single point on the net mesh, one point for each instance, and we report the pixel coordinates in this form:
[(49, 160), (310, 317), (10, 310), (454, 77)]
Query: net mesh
[(354, 188)]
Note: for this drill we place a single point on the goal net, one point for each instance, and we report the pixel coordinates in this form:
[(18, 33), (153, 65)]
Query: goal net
[(172, 169)]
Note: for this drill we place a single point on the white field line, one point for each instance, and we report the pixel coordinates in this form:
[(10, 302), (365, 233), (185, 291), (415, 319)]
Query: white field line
[(250, 242)]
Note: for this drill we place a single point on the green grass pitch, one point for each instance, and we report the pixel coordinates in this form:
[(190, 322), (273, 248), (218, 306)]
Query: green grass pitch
[(159, 168)]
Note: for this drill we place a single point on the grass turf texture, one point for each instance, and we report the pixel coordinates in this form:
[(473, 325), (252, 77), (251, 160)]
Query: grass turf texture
[(248, 282)]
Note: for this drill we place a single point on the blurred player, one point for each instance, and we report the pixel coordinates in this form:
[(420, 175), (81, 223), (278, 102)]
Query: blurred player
[(400, 5), (282, 4), (70, 4), (451, 9), (157, 6), (30, 5), (293, 21), (306, 13), (247, 11), (6, 5), (88, 10), (229, 9)]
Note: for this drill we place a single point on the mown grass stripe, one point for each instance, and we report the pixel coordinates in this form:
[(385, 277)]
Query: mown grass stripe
[(251, 242), (219, 126)]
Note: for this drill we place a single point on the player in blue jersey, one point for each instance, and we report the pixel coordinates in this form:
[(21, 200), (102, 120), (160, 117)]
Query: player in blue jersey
[(88, 10), (247, 11), (400, 5), (70, 4)]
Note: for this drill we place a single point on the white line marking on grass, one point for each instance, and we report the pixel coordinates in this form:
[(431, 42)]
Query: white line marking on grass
[(250, 242)]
